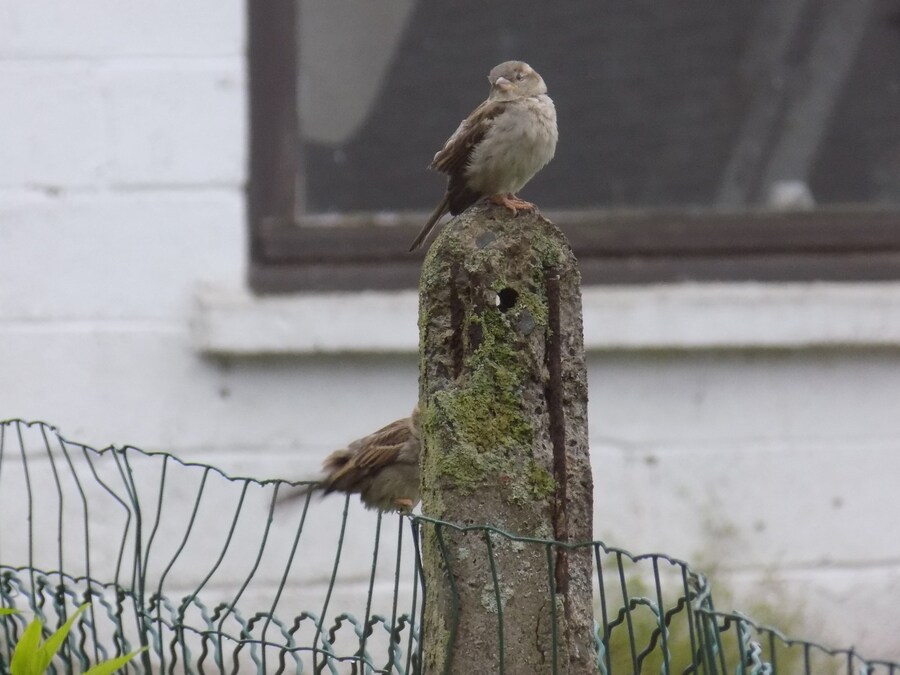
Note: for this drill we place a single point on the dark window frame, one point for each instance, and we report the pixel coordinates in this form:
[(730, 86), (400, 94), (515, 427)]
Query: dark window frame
[(857, 243)]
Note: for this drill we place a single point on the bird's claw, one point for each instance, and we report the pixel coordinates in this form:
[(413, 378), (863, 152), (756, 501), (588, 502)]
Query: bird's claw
[(404, 505), (512, 203)]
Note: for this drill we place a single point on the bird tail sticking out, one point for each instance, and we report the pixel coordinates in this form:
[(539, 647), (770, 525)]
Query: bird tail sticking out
[(435, 216), (296, 492), (332, 467)]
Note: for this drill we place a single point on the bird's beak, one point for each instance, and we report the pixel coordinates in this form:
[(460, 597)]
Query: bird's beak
[(502, 83)]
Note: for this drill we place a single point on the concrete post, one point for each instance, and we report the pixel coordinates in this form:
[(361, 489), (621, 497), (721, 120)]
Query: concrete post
[(503, 389)]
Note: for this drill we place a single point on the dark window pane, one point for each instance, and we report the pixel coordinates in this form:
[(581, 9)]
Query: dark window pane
[(660, 104)]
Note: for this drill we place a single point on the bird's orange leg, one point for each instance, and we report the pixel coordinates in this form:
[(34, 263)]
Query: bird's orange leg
[(404, 505), (511, 202)]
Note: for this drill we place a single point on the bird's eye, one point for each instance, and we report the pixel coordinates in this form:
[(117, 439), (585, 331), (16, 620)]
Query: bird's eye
[(520, 77)]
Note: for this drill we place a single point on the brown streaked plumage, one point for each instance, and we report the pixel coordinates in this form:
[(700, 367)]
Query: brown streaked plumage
[(382, 468), (497, 149)]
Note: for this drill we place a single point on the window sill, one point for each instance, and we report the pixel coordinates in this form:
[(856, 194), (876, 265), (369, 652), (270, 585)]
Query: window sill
[(688, 316)]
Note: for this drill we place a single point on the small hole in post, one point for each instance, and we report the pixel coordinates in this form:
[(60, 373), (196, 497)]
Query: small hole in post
[(506, 299)]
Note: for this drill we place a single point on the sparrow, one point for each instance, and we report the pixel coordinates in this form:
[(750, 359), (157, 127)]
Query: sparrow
[(497, 149), (382, 468)]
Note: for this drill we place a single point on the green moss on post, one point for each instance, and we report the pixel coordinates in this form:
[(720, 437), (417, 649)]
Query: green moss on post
[(504, 398)]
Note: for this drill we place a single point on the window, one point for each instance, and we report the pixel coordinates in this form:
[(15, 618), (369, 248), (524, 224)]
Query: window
[(754, 140)]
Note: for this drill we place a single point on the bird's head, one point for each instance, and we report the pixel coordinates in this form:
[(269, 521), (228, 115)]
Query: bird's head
[(515, 79)]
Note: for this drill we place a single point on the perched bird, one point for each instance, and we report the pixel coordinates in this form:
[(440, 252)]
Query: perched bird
[(382, 468), (497, 149)]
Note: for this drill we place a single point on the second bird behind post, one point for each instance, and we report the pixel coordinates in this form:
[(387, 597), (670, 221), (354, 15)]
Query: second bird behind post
[(497, 149), (382, 468)]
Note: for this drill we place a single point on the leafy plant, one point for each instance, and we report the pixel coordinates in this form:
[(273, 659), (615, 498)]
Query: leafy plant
[(32, 655)]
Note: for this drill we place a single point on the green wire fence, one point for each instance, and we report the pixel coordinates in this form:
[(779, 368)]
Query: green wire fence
[(213, 575)]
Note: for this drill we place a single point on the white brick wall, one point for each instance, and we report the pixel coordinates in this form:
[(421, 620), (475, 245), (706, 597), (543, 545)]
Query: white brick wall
[(55, 128), (115, 254), (103, 29), (122, 123), (123, 139), (122, 180)]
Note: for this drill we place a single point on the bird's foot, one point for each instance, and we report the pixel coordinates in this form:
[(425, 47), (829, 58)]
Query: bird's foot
[(511, 202), (404, 505)]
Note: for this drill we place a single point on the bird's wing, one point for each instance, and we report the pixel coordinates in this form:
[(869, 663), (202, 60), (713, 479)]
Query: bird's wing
[(366, 456), (453, 157), (395, 433)]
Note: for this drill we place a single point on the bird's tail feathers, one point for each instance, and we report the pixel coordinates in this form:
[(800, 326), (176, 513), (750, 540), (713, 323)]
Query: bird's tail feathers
[(296, 492), (435, 216)]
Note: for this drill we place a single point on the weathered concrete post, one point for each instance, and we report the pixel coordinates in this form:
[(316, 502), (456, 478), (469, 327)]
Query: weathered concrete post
[(503, 389)]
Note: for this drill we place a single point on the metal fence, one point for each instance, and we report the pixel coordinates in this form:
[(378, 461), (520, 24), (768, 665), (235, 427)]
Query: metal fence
[(213, 575)]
